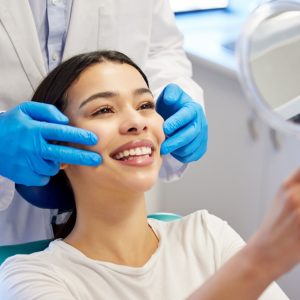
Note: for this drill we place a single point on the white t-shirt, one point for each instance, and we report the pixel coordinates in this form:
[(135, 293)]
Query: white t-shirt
[(190, 250)]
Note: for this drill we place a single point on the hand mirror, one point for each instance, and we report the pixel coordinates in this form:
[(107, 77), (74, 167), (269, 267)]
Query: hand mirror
[(269, 60)]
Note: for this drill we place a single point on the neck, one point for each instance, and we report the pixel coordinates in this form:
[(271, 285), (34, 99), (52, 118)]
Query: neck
[(113, 228)]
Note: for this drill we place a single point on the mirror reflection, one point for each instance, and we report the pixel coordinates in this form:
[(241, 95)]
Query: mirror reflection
[(275, 63)]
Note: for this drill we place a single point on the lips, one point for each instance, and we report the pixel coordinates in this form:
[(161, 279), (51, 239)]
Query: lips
[(132, 145)]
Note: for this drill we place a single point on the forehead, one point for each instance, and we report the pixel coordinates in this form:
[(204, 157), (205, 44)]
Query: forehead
[(107, 76)]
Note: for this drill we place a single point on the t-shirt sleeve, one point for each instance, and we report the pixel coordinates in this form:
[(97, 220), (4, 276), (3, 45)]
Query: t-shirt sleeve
[(229, 243), (23, 277)]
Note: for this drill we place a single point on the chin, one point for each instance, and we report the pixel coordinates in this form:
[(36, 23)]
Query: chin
[(140, 179), (140, 183)]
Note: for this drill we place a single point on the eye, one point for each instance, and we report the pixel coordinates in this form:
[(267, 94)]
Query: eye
[(146, 105), (103, 110)]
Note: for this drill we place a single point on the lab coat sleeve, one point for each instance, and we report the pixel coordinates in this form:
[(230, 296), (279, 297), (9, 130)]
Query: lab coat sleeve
[(230, 243), (7, 191), (33, 280), (167, 63)]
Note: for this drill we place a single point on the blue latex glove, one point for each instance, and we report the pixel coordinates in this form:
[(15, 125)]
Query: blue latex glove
[(185, 125), (25, 155)]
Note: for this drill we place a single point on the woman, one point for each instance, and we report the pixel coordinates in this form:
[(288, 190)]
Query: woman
[(109, 249)]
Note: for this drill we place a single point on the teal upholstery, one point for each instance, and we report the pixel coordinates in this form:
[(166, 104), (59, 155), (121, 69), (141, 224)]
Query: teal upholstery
[(164, 216), (28, 248)]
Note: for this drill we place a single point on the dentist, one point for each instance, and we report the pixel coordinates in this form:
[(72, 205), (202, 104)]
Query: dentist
[(35, 36)]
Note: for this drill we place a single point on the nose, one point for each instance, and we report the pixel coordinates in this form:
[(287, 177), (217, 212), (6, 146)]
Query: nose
[(133, 123)]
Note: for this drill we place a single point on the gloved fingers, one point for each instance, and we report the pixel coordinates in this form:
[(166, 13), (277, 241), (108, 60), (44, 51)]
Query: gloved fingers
[(194, 157), (43, 112), (30, 178), (171, 94), (181, 138), (171, 99), (65, 133), (68, 155), (44, 167), (190, 148), (181, 118), (192, 152)]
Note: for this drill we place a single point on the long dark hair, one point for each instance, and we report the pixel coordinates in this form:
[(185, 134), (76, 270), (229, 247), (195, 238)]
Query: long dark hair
[(53, 90)]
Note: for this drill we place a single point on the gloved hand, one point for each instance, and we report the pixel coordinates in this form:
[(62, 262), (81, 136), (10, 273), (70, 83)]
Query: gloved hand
[(26, 157), (185, 125)]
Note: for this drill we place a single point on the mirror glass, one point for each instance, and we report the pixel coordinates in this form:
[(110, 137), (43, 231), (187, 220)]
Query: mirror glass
[(268, 54), (274, 62)]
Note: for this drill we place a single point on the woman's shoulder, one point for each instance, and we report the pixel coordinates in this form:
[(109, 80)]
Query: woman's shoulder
[(200, 220), (204, 217), (33, 276), (202, 230), (29, 262)]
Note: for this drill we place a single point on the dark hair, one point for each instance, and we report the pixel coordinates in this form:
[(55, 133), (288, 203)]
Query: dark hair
[(53, 90)]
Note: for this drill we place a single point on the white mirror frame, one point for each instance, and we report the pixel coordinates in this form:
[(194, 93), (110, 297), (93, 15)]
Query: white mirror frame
[(258, 16)]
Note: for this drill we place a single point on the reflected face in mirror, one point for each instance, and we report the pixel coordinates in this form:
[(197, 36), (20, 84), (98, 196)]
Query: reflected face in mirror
[(275, 63), (113, 101)]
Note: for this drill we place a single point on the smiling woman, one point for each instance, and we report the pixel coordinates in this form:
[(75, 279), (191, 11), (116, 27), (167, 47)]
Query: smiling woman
[(108, 94), (109, 249)]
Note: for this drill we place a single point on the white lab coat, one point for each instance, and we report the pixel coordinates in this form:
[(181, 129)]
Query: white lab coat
[(144, 30)]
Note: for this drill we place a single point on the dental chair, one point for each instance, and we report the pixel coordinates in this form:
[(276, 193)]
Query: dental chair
[(28, 248)]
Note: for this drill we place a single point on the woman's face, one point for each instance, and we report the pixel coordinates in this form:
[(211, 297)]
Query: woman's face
[(113, 101)]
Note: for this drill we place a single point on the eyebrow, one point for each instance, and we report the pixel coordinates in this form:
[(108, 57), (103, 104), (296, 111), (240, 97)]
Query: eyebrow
[(110, 94)]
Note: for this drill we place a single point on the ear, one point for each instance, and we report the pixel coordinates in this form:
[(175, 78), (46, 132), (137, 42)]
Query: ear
[(63, 166)]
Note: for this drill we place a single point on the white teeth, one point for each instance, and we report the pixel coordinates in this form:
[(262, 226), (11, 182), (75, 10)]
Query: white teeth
[(138, 151), (145, 150), (134, 151)]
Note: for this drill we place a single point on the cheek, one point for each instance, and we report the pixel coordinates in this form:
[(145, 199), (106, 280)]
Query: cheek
[(104, 132), (158, 128)]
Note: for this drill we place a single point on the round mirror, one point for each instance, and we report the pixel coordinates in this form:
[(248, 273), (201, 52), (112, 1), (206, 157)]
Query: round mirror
[(269, 60)]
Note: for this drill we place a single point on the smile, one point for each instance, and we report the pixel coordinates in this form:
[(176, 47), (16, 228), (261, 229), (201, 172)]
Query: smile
[(129, 154), (137, 153)]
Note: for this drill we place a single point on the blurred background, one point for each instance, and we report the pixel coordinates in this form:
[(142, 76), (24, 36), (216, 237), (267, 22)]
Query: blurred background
[(246, 161)]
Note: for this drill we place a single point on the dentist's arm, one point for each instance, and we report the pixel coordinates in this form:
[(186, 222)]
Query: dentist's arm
[(167, 63), (270, 253), (27, 155)]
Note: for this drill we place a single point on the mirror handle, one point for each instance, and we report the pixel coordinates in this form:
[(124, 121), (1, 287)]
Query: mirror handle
[(275, 139), (253, 126)]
